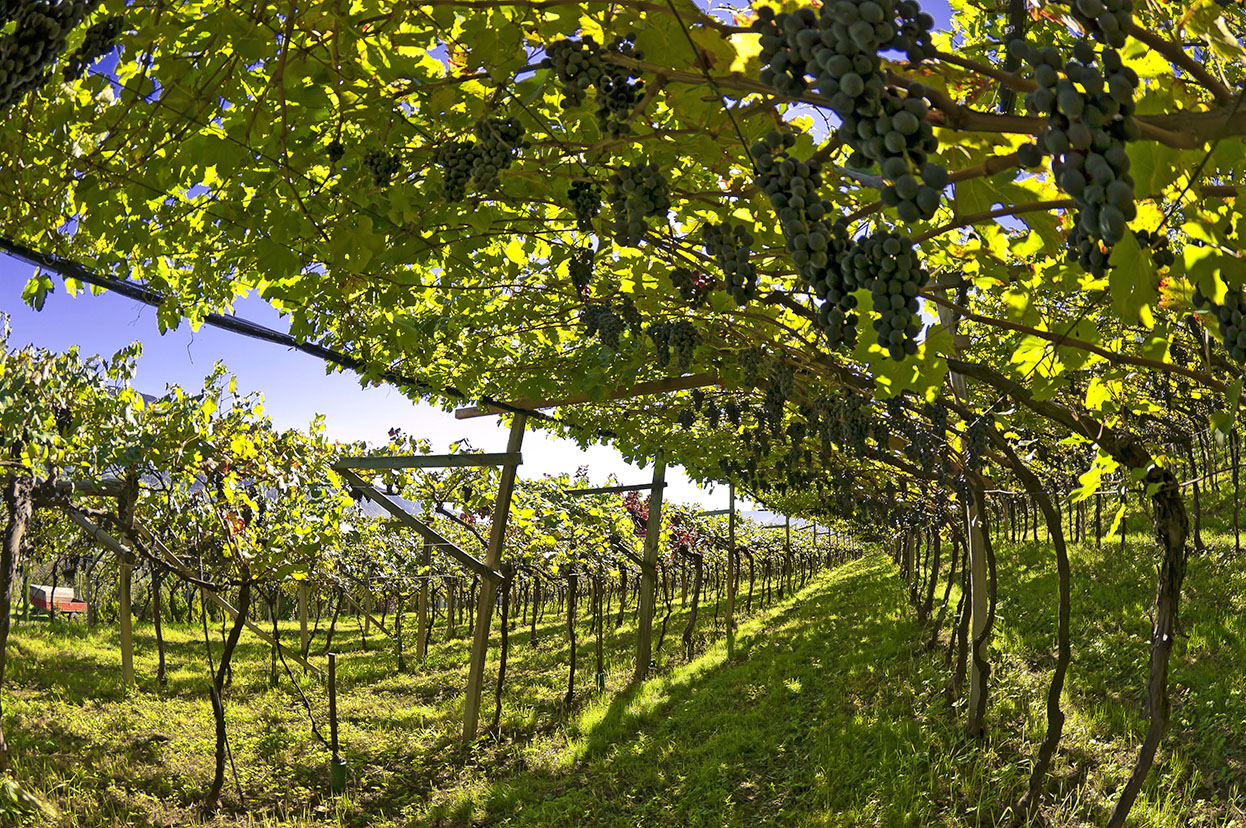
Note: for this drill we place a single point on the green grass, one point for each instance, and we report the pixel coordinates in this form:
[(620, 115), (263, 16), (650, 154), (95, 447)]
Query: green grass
[(831, 713)]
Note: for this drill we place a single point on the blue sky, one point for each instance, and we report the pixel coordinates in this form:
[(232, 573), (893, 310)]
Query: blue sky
[(295, 386)]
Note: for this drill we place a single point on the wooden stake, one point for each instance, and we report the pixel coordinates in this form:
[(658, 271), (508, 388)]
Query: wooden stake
[(129, 501), (127, 628), (333, 705), (421, 629), (488, 587), (648, 575)]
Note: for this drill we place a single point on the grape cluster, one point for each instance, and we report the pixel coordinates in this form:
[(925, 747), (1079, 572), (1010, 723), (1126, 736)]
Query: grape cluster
[(792, 186), (334, 151), (456, 159), (684, 340), (937, 413), (731, 245), (713, 414), (1232, 318), (750, 361), (631, 316), (498, 141), (882, 435), (660, 333), (1157, 243), (581, 269), (887, 264), (1087, 129), (637, 191), (802, 44), (619, 91), (772, 403), (686, 418), (38, 35), (731, 410), (813, 240), (479, 163), (579, 66), (839, 49), (616, 98), (1107, 21), (976, 443), (854, 423), (679, 336), (585, 203), (601, 321), (692, 287), (382, 166), (98, 41)]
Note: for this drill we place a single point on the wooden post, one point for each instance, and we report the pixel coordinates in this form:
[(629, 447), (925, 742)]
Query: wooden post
[(975, 550), (421, 628), (648, 575), (333, 705), (337, 765), (732, 568), (787, 552), (488, 588), (129, 501)]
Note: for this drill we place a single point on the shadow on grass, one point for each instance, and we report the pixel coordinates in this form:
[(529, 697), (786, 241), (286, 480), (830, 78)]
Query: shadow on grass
[(806, 725)]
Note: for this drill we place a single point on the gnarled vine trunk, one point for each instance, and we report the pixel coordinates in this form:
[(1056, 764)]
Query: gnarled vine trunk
[(19, 501), (213, 799), (1171, 529), (1055, 716)]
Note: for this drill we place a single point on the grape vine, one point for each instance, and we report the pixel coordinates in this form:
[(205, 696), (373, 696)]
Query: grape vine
[(637, 192), (99, 40), (39, 31), (731, 246), (1087, 129)]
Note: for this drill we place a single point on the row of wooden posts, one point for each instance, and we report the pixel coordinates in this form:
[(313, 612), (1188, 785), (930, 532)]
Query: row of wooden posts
[(488, 570)]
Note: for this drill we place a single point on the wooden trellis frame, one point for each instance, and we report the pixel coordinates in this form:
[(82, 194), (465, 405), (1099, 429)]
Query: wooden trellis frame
[(661, 386), (611, 489), (429, 534), (649, 565), (488, 570), (386, 462)]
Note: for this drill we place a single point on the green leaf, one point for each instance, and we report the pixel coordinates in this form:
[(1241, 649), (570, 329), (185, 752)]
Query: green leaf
[(1132, 282), (1222, 421)]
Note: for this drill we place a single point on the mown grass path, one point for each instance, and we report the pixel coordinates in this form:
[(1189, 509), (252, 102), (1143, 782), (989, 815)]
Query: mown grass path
[(830, 713)]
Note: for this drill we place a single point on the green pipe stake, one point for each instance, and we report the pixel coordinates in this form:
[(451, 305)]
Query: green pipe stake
[(337, 765)]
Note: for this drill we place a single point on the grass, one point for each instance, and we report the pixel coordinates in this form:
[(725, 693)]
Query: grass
[(829, 713)]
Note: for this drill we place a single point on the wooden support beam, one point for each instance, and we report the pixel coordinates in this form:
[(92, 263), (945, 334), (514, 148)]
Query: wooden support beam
[(411, 522), (608, 490), (427, 461), (641, 389), (488, 588), (715, 512), (367, 614), (633, 557), (421, 630), (649, 570), (104, 487), (170, 560)]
